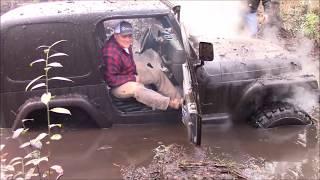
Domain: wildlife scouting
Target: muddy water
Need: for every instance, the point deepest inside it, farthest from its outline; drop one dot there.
(286, 153)
(279, 153)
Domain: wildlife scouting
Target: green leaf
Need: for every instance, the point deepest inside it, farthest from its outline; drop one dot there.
(54, 125)
(57, 43)
(37, 161)
(24, 145)
(38, 86)
(45, 98)
(43, 46)
(56, 137)
(58, 54)
(29, 173)
(46, 51)
(16, 163)
(36, 61)
(36, 144)
(17, 133)
(2, 146)
(32, 161)
(34, 80)
(24, 120)
(33, 154)
(15, 159)
(45, 174)
(47, 68)
(25, 131)
(55, 64)
(60, 110)
(40, 137)
(9, 168)
(57, 168)
(15, 177)
(60, 78)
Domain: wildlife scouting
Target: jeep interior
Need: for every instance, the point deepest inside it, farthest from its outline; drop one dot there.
(155, 44)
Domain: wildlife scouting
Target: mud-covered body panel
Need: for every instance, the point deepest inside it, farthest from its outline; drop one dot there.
(224, 85)
(227, 86)
(49, 22)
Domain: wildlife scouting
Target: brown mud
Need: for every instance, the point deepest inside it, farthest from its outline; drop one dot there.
(172, 162)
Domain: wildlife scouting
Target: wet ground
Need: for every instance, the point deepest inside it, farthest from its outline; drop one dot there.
(279, 153)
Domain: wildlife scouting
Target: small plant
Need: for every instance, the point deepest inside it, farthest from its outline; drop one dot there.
(302, 19)
(293, 18)
(311, 26)
(34, 158)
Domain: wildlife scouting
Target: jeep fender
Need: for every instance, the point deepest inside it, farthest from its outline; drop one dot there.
(275, 88)
(253, 91)
(74, 100)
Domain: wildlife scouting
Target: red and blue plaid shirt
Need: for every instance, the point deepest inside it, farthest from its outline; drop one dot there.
(120, 66)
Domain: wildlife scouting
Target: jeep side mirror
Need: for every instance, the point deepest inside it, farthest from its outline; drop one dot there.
(206, 51)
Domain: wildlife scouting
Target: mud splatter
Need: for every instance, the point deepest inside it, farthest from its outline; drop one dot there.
(172, 162)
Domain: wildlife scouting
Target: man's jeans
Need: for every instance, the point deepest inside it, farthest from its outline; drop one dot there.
(147, 75)
(252, 23)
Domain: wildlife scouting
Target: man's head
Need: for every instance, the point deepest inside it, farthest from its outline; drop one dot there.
(123, 34)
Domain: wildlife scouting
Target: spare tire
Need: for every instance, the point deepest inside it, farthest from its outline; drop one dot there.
(280, 114)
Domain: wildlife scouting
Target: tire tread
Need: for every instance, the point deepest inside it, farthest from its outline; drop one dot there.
(270, 115)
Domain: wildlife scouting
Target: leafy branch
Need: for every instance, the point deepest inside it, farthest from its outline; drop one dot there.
(34, 158)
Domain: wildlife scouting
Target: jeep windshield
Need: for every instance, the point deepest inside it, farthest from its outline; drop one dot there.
(160, 27)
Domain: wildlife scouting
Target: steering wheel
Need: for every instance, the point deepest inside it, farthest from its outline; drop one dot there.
(144, 41)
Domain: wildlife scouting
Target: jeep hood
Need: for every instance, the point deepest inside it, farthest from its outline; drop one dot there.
(247, 59)
(223, 71)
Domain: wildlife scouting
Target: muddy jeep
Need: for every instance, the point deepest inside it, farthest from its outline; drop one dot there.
(214, 91)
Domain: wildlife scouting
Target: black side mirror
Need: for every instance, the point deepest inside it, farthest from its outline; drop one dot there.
(206, 51)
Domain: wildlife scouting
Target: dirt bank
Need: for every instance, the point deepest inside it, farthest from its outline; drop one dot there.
(172, 162)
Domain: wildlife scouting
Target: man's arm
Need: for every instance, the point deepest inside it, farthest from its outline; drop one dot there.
(113, 74)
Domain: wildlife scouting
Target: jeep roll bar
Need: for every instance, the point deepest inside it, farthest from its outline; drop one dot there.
(175, 8)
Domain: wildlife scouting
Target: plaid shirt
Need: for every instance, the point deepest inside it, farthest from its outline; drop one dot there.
(120, 67)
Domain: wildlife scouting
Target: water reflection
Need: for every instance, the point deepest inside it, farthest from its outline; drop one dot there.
(278, 153)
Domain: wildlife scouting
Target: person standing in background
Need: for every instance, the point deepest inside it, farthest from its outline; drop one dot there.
(251, 15)
(274, 19)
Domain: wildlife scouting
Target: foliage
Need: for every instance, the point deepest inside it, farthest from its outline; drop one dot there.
(302, 19)
(293, 19)
(311, 26)
(29, 166)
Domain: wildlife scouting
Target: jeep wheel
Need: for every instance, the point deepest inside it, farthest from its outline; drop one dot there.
(279, 114)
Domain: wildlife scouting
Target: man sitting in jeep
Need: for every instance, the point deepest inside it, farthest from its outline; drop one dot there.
(127, 78)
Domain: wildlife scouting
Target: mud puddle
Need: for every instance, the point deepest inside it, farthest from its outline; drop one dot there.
(230, 151)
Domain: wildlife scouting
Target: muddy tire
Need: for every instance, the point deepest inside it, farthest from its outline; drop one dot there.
(280, 114)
